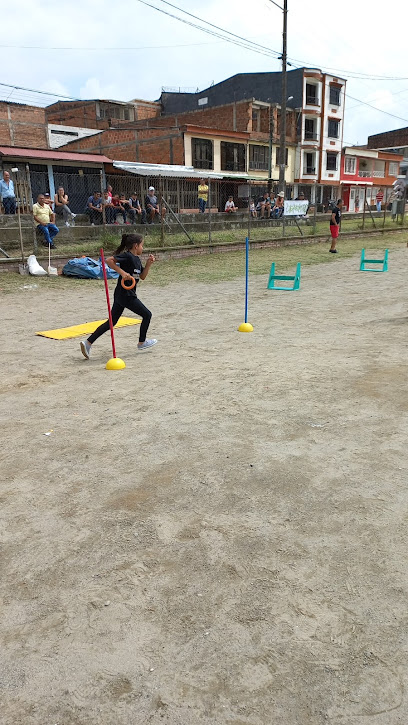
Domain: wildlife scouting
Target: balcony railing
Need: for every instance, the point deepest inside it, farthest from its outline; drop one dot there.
(365, 174)
(310, 136)
(379, 174)
(310, 170)
(312, 100)
(258, 165)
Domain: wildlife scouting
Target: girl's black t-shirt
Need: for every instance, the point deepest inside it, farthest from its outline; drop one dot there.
(133, 265)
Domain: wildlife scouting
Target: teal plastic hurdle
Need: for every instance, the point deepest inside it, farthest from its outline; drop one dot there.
(364, 261)
(284, 277)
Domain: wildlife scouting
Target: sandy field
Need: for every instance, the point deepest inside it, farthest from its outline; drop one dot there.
(216, 535)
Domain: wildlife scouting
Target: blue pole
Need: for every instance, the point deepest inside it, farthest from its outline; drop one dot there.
(246, 277)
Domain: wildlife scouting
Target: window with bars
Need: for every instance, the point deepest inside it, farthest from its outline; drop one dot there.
(232, 156)
(202, 153)
(310, 164)
(333, 130)
(312, 94)
(310, 129)
(393, 168)
(121, 113)
(331, 161)
(258, 158)
(350, 165)
(335, 96)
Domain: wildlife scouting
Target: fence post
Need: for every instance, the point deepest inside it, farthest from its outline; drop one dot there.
(315, 208)
(249, 211)
(404, 201)
(103, 206)
(161, 213)
(364, 205)
(385, 210)
(209, 213)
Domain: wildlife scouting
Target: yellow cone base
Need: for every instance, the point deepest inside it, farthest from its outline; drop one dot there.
(245, 327)
(115, 363)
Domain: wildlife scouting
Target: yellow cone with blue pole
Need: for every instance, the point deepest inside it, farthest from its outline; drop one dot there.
(246, 326)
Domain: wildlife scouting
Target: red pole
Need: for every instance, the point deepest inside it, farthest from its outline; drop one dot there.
(105, 279)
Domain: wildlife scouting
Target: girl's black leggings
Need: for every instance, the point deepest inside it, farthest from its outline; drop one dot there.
(136, 306)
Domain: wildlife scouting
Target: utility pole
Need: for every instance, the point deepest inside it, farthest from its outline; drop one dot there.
(282, 147)
(271, 132)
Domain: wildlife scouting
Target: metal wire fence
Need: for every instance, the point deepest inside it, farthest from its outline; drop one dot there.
(181, 220)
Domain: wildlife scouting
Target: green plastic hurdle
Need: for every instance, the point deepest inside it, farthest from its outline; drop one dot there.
(295, 279)
(364, 261)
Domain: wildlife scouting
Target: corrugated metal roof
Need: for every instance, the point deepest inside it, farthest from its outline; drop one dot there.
(181, 172)
(52, 155)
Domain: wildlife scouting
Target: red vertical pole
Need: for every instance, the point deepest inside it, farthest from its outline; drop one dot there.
(105, 279)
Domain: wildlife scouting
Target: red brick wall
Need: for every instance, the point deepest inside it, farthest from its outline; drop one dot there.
(22, 126)
(161, 146)
(83, 114)
(389, 139)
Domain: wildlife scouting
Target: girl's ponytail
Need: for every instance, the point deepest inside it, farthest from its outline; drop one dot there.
(128, 240)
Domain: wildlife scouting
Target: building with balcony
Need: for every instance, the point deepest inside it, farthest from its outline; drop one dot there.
(364, 172)
(317, 100)
(396, 141)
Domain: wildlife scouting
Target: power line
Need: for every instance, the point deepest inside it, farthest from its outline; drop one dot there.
(99, 48)
(43, 93)
(266, 50)
(247, 44)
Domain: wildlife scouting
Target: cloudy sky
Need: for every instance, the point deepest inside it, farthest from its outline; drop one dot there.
(93, 49)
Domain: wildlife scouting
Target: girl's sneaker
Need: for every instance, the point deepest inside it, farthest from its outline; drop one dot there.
(86, 348)
(146, 344)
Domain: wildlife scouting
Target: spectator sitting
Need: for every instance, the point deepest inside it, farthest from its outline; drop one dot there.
(94, 208)
(135, 209)
(230, 206)
(110, 212)
(7, 195)
(48, 201)
(252, 210)
(119, 209)
(44, 219)
(152, 206)
(61, 206)
(279, 205)
(127, 207)
(264, 206)
(301, 197)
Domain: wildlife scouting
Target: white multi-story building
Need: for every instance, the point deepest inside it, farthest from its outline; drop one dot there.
(320, 126)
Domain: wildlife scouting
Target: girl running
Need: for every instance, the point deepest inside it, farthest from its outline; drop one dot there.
(126, 261)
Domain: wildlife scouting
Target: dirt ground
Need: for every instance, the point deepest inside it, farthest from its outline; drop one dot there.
(216, 535)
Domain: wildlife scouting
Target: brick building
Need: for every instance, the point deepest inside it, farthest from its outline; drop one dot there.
(233, 138)
(22, 125)
(365, 171)
(396, 141)
(100, 114)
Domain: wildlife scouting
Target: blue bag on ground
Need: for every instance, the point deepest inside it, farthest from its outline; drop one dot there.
(87, 268)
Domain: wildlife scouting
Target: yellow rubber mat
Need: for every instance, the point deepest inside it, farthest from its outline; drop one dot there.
(64, 333)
